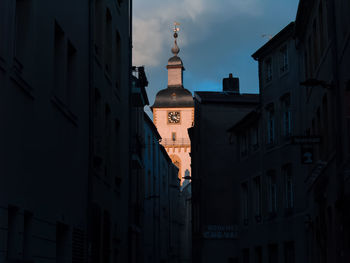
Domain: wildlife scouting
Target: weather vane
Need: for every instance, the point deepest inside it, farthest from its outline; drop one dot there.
(175, 50)
(176, 28)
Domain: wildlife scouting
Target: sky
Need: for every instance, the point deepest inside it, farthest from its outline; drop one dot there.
(216, 37)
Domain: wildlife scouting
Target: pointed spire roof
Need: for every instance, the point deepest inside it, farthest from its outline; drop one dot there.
(175, 95)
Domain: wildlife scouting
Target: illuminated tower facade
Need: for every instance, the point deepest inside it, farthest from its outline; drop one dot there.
(173, 114)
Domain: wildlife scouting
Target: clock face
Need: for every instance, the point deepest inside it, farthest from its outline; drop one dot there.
(174, 117)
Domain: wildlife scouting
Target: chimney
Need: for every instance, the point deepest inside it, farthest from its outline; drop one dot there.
(230, 84)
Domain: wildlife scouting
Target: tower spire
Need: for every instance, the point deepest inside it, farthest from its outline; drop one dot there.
(175, 49)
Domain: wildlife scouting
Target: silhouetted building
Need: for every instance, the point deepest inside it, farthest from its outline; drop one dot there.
(161, 201)
(293, 152)
(214, 220)
(65, 84)
(184, 213)
(322, 33)
(270, 191)
(139, 100)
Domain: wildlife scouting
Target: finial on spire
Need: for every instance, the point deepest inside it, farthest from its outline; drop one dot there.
(175, 50)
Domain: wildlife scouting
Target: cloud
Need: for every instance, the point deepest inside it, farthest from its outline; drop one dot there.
(153, 21)
(216, 37)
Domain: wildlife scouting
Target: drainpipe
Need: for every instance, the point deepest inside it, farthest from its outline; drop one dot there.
(90, 130)
(338, 133)
(129, 110)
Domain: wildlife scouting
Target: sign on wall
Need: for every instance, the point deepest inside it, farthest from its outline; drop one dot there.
(221, 232)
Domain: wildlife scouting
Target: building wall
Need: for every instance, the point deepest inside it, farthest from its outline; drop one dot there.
(186, 219)
(44, 145)
(180, 148)
(212, 177)
(272, 223)
(175, 76)
(328, 111)
(162, 220)
(112, 194)
(59, 193)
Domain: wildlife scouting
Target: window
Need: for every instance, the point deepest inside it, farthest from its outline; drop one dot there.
(108, 42)
(148, 145)
(321, 27)
(286, 118)
(272, 191)
(289, 186)
(96, 234)
(12, 233)
(284, 59)
(315, 43)
(22, 26)
(273, 253)
(244, 145)
(245, 255)
(306, 65)
(118, 60)
(173, 136)
(98, 27)
(245, 203)
(3, 20)
(287, 122)
(64, 68)
(289, 254)
(270, 126)
(62, 242)
(106, 236)
(59, 61)
(348, 126)
(255, 138)
(325, 120)
(257, 198)
(27, 235)
(108, 138)
(258, 255)
(310, 63)
(71, 73)
(78, 245)
(268, 70)
(149, 179)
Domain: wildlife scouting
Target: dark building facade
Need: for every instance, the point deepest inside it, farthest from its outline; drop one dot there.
(65, 89)
(292, 150)
(322, 32)
(271, 191)
(214, 221)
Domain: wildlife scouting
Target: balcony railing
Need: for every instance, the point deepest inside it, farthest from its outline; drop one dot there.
(176, 142)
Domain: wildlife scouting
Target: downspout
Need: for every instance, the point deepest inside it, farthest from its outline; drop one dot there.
(169, 213)
(129, 110)
(159, 203)
(338, 133)
(91, 132)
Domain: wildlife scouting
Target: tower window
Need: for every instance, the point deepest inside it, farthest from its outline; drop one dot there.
(173, 136)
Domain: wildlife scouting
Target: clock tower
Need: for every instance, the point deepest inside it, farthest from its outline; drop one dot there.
(173, 113)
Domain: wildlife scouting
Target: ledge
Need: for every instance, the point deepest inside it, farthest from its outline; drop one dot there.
(64, 110)
(22, 84)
